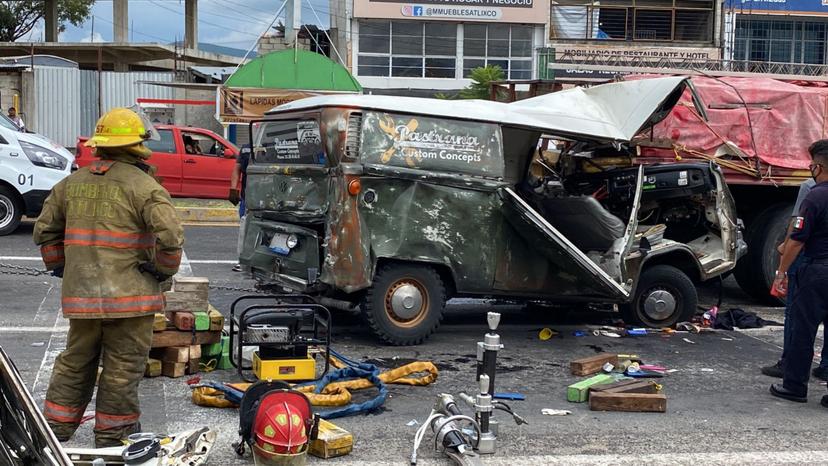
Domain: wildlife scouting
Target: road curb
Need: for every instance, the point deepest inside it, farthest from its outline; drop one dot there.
(207, 215)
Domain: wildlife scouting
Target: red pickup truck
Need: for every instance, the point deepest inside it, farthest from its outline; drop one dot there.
(192, 162)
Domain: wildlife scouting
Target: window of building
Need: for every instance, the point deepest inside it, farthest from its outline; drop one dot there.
(504, 45)
(780, 41)
(633, 20)
(407, 49)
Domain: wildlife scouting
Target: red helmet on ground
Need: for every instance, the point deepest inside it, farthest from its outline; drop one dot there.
(281, 428)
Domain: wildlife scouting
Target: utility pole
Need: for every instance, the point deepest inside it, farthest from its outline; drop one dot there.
(120, 20)
(293, 20)
(191, 24)
(51, 20)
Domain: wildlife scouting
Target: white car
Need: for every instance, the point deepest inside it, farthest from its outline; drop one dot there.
(30, 165)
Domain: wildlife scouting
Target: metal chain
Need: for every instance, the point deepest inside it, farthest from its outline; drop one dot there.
(21, 270)
(238, 289)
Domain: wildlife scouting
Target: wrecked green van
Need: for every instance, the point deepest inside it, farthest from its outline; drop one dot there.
(396, 205)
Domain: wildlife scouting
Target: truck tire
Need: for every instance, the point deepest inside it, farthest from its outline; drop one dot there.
(11, 211)
(755, 272)
(664, 297)
(405, 303)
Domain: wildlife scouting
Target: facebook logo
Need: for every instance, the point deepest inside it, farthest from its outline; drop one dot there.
(418, 11)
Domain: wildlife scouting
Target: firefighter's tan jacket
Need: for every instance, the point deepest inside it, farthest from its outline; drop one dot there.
(100, 223)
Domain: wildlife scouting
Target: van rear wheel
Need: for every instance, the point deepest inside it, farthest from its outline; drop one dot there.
(405, 303)
(664, 297)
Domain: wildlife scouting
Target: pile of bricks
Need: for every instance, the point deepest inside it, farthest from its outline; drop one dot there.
(187, 323)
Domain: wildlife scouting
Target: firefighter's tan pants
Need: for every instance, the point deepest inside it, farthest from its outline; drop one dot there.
(122, 345)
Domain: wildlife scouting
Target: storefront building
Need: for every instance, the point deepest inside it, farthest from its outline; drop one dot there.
(780, 31)
(434, 44)
(640, 29)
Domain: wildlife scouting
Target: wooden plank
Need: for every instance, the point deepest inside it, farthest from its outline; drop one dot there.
(184, 321)
(592, 364)
(160, 323)
(191, 284)
(194, 352)
(216, 319)
(176, 338)
(173, 369)
(607, 386)
(153, 368)
(627, 386)
(579, 392)
(201, 321)
(176, 354)
(628, 402)
(193, 366)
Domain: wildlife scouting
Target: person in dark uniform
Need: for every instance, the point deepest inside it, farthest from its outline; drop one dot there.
(809, 302)
(238, 182)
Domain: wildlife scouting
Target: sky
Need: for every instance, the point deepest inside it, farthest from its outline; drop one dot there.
(230, 23)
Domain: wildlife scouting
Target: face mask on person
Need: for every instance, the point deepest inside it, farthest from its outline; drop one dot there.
(816, 170)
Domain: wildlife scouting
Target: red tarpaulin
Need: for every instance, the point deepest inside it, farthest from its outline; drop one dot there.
(785, 118)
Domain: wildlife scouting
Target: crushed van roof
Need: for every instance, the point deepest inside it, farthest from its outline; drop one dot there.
(612, 112)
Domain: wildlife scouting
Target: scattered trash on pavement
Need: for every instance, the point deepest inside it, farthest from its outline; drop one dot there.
(738, 318)
(509, 396)
(412, 423)
(689, 341)
(546, 334)
(38, 344)
(555, 412)
(579, 333)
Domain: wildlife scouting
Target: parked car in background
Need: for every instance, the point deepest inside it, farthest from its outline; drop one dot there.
(30, 165)
(191, 162)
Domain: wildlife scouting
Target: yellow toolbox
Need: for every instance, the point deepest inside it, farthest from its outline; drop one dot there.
(284, 369)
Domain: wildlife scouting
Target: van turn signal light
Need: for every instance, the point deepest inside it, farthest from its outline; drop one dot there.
(354, 187)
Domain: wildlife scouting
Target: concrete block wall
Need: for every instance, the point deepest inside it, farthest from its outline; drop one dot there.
(269, 44)
(10, 84)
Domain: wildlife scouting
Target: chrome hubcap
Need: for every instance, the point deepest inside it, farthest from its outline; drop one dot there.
(6, 211)
(406, 301)
(659, 304)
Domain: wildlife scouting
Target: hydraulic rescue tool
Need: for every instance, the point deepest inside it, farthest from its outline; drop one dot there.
(462, 437)
(284, 329)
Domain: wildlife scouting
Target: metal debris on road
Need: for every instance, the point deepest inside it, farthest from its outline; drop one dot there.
(555, 412)
(689, 341)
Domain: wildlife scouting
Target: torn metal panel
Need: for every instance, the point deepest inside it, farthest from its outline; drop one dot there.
(419, 221)
(609, 112)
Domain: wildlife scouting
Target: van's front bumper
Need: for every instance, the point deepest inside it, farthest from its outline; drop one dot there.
(296, 269)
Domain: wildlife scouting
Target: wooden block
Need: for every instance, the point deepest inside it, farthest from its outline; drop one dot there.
(169, 338)
(332, 441)
(592, 364)
(216, 319)
(579, 392)
(153, 368)
(173, 369)
(202, 321)
(195, 352)
(628, 402)
(160, 323)
(176, 354)
(193, 366)
(191, 284)
(627, 386)
(184, 321)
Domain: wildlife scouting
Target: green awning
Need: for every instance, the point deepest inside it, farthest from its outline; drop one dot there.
(294, 69)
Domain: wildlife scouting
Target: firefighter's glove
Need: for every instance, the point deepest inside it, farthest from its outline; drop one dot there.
(234, 196)
(58, 272)
(149, 267)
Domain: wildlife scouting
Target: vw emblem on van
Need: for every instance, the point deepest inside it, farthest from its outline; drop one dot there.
(283, 186)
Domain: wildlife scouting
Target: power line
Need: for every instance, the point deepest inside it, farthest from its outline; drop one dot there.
(138, 32)
(154, 2)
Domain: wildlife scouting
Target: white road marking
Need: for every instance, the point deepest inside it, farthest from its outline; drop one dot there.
(34, 329)
(689, 459)
(19, 258)
(52, 351)
(207, 261)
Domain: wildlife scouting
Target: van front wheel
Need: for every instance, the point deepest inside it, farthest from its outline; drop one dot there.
(664, 297)
(405, 303)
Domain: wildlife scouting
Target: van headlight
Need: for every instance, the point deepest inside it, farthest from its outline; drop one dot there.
(43, 157)
(292, 241)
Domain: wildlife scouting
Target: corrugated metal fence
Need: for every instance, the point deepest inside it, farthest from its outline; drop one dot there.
(67, 98)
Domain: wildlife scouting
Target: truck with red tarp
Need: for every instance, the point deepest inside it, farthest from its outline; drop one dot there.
(758, 130)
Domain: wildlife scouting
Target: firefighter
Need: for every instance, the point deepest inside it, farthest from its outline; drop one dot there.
(809, 301)
(111, 232)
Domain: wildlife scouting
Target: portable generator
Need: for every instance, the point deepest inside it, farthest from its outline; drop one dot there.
(284, 329)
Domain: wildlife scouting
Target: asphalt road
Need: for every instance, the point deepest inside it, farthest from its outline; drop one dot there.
(719, 409)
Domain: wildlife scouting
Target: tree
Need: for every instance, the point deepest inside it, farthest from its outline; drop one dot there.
(18, 18)
(481, 77)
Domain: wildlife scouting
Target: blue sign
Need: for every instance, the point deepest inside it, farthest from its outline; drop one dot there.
(418, 11)
(790, 6)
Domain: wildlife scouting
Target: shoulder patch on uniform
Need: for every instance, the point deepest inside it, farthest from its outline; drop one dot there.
(99, 167)
(799, 223)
